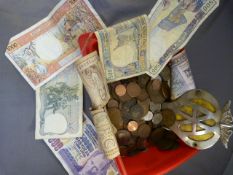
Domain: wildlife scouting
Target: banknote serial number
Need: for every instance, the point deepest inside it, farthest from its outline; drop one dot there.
(209, 5)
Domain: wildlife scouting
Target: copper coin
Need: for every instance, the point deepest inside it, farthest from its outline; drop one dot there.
(143, 80)
(169, 117)
(125, 97)
(156, 84)
(128, 104)
(133, 89)
(112, 103)
(166, 73)
(136, 111)
(143, 95)
(155, 95)
(123, 137)
(120, 90)
(144, 131)
(132, 126)
(115, 117)
(165, 89)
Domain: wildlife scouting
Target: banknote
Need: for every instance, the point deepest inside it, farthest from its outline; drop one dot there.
(92, 74)
(82, 155)
(171, 25)
(181, 75)
(123, 48)
(59, 106)
(43, 50)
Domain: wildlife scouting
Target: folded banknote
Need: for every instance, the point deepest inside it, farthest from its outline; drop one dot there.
(82, 155)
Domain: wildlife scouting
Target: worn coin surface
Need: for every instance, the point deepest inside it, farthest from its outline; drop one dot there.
(169, 117)
(112, 103)
(136, 111)
(120, 90)
(145, 105)
(157, 118)
(115, 117)
(165, 89)
(148, 116)
(143, 95)
(144, 130)
(143, 80)
(156, 135)
(155, 107)
(165, 73)
(123, 137)
(133, 89)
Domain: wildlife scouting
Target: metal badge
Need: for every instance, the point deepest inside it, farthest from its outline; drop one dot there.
(199, 120)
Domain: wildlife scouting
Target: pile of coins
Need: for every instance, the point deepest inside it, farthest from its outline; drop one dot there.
(135, 111)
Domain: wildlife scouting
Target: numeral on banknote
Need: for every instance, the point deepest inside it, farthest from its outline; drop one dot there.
(12, 46)
(209, 5)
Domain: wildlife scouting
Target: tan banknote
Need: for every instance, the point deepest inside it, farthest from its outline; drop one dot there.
(92, 74)
(59, 106)
(43, 50)
(171, 25)
(123, 48)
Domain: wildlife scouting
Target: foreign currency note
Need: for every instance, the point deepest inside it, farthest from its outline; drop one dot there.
(82, 155)
(92, 74)
(181, 75)
(123, 48)
(59, 106)
(43, 50)
(105, 133)
(171, 25)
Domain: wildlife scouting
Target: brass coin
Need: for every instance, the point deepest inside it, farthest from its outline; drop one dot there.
(156, 135)
(165, 89)
(136, 111)
(169, 117)
(166, 73)
(144, 131)
(143, 80)
(112, 103)
(132, 126)
(143, 95)
(155, 107)
(115, 117)
(157, 118)
(123, 137)
(145, 105)
(133, 89)
(120, 90)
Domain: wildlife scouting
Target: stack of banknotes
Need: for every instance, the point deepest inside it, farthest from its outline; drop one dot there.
(48, 57)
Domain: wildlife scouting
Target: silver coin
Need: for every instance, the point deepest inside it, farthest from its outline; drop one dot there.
(155, 107)
(148, 116)
(157, 118)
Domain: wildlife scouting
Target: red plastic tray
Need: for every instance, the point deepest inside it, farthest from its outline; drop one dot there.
(153, 161)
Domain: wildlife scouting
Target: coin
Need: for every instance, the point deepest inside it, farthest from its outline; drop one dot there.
(112, 103)
(165, 89)
(165, 144)
(141, 144)
(155, 107)
(166, 73)
(133, 89)
(157, 118)
(132, 126)
(143, 95)
(145, 105)
(169, 117)
(136, 111)
(125, 97)
(171, 135)
(143, 80)
(148, 116)
(123, 150)
(156, 84)
(125, 106)
(156, 135)
(155, 95)
(115, 117)
(123, 137)
(144, 130)
(120, 90)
